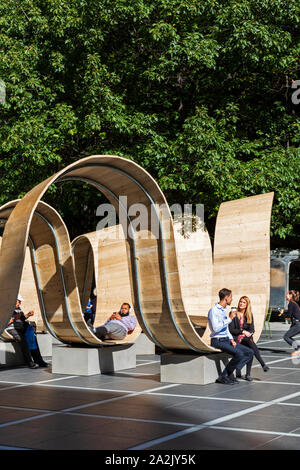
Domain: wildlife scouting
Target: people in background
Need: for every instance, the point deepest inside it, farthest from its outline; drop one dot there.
(90, 311)
(221, 338)
(293, 312)
(242, 330)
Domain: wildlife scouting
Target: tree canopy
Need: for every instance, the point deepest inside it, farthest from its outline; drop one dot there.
(196, 92)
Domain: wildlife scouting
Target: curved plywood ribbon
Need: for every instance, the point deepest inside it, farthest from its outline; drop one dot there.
(28, 284)
(45, 283)
(242, 252)
(101, 257)
(53, 268)
(170, 277)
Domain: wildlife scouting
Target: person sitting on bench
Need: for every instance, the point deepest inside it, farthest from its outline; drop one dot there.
(23, 333)
(221, 338)
(118, 325)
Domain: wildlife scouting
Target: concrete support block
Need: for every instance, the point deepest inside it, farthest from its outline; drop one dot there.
(144, 345)
(10, 354)
(73, 360)
(45, 344)
(192, 369)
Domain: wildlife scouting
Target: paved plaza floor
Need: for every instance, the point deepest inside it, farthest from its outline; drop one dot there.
(131, 409)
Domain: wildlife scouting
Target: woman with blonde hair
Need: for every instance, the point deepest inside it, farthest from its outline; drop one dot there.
(242, 329)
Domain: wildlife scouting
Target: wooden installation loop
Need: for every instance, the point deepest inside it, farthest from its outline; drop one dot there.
(170, 279)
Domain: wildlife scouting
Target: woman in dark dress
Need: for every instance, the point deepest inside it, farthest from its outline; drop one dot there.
(293, 313)
(242, 329)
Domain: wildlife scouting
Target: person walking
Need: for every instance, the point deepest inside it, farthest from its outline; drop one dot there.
(242, 330)
(221, 338)
(293, 312)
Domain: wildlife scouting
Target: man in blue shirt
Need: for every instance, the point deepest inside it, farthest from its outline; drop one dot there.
(221, 338)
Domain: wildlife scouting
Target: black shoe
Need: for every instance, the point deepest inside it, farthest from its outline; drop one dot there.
(248, 377)
(233, 379)
(266, 368)
(224, 380)
(43, 364)
(33, 365)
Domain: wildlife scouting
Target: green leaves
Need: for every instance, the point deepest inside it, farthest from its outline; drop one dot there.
(198, 93)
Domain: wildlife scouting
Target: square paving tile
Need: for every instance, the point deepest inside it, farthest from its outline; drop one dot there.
(148, 407)
(214, 439)
(81, 432)
(257, 391)
(281, 443)
(134, 383)
(94, 381)
(10, 415)
(6, 385)
(273, 418)
(211, 390)
(201, 410)
(29, 434)
(167, 409)
(48, 398)
(295, 400)
(288, 376)
(26, 375)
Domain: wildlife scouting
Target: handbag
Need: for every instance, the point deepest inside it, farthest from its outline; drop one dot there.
(30, 338)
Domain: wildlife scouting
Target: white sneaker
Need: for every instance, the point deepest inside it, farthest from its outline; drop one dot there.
(296, 352)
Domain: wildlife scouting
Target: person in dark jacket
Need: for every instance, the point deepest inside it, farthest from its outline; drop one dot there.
(23, 333)
(242, 329)
(293, 313)
(90, 311)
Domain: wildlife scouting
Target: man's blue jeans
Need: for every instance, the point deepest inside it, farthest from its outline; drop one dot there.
(241, 354)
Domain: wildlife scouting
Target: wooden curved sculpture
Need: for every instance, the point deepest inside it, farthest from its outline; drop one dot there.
(242, 252)
(28, 284)
(54, 275)
(101, 256)
(170, 277)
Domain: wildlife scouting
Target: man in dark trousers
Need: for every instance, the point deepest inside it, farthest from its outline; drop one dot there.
(221, 338)
(17, 328)
(118, 325)
(90, 311)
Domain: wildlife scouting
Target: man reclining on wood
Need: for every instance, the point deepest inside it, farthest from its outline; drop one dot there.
(118, 325)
